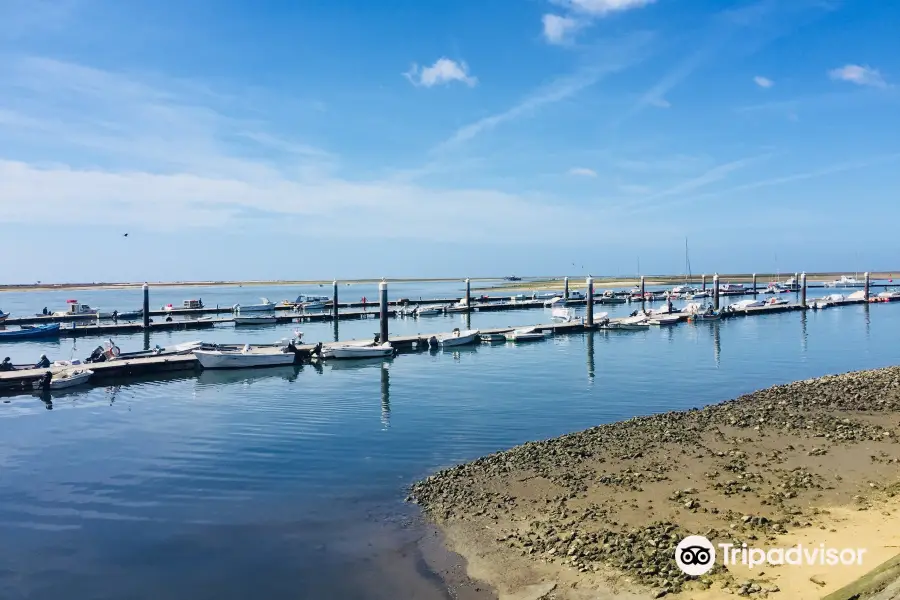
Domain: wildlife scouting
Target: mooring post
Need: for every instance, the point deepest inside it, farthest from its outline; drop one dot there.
(866, 288)
(334, 299)
(643, 291)
(754, 284)
(589, 313)
(146, 290)
(566, 288)
(715, 291)
(703, 281)
(468, 294)
(383, 311)
(803, 290)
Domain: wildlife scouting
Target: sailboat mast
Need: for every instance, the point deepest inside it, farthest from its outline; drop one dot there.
(687, 262)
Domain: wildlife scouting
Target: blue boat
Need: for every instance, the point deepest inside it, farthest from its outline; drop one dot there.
(31, 332)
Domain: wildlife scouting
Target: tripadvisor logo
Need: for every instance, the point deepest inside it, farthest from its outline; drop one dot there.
(695, 555)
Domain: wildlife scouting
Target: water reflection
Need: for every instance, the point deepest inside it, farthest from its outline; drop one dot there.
(589, 344)
(717, 343)
(146, 339)
(868, 320)
(247, 376)
(335, 328)
(385, 396)
(803, 335)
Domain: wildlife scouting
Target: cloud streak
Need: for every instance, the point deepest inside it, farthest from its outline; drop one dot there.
(442, 72)
(858, 74)
(763, 82)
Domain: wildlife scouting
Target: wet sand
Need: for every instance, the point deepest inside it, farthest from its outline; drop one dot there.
(597, 514)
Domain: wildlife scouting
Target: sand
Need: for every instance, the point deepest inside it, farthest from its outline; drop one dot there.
(597, 514)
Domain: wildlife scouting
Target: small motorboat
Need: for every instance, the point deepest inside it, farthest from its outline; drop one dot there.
(620, 326)
(460, 306)
(131, 314)
(36, 331)
(358, 351)
(576, 295)
(255, 320)
(566, 315)
(697, 295)
(67, 378)
(555, 301)
(776, 301)
(264, 306)
(524, 334)
(408, 311)
(745, 304)
(709, 316)
(77, 309)
(610, 299)
(455, 338)
(314, 305)
(429, 311)
(492, 338)
(664, 320)
(247, 357)
(888, 295)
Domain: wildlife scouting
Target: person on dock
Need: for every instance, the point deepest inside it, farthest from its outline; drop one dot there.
(115, 316)
(43, 363)
(45, 311)
(364, 303)
(7, 365)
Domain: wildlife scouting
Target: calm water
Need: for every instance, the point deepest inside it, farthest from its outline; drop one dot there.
(289, 483)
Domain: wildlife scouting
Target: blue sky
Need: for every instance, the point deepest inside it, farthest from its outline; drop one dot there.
(345, 139)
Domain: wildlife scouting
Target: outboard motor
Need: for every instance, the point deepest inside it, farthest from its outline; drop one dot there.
(97, 356)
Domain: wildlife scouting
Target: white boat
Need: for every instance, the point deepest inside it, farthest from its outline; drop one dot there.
(697, 295)
(576, 295)
(745, 304)
(776, 301)
(564, 314)
(82, 310)
(246, 357)
(845, 282)
(491, 337)
(265, 305)
(601, 317)
(460, 306)
(429, 311)
(256, 320)
(857, 295)
(456, 338)
(358, 351)
(664, 320)
(622, 326)
(732, 288)
(314, 305)
(889, 295)
(524, 334)
(68, 378)
(555, 301)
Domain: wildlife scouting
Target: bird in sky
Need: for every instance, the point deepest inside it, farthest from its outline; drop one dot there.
(126, 235)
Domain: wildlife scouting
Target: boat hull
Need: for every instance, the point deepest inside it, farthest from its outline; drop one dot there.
(255, 320)
(464, 337)
(78, 378)
(345, 352)
(217, 359)
(50, 330)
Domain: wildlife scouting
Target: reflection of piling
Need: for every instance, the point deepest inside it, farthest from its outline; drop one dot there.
(866, 288)
(716, 291)
(589, 316)
(334, 300)
(385, 396)
(590, 355)
(336, 338)
(803, 290)
(566, 288)
(383, 311)
(754, 284)
(146, 315)
(468, 293)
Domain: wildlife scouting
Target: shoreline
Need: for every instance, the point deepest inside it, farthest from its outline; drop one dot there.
(598, 513)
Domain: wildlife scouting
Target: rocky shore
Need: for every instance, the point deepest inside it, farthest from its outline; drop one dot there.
(603, 509)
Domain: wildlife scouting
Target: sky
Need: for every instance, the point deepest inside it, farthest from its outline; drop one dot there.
(471, 138)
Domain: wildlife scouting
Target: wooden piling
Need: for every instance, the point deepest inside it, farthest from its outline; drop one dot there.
(468, 294)
(866, 287)
(146, 289)
(383, 311)
(566, 288)
(589, 314)
(754, 284)
(334, 299)
(703, 281)
(643, 291)
(803, 290)
(715, 291)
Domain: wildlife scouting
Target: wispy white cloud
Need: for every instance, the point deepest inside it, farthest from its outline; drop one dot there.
(858, 74)
(763, 82)
(660, 103)
(582, 172)
(621, 55)
(558, 30)
(602, 8)
(443, 71)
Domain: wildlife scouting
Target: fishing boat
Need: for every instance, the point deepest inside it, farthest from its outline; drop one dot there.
(246, 357)
(664, 320)
(314, 305)
(429, 311)
(697, 295)
(491, 338)
(67, 378)
(255, 320)
(460, 306)
(524, 334)
(576, 295)
(37, 331)
(845, 282)
(706, 316)
(264, 306)
(358, 351)
(77, 309)
(628, 326)
(456, 338)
